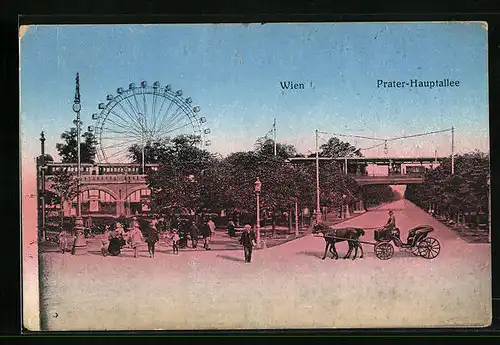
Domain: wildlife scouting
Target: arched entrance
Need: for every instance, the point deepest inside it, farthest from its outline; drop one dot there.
(138, 201)
(96, 202)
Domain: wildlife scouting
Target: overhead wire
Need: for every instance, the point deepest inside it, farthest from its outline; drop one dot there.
(384, 141)
(419, 135)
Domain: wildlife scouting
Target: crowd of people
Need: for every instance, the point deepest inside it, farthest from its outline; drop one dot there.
(177, 234)
(115, 238)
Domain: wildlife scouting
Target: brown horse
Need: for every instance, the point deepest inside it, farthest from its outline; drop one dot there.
(332, 236)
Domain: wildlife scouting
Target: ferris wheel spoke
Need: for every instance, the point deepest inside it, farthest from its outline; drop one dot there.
(123, 152)
(177, 128)
(126, 128)
(159, 112)
(117, 121)
(137, 103)
(128, 133)
(133, 109)
(124, 124)
(127, 138)
(153, 112)
(138, 116)
(130, 116)
(112, 146)
(167, 128)
(168, 119)
(117, 128)
(166, 112)
(171, 121)
(145, 106)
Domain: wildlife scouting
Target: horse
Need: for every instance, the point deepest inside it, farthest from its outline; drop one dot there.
(332, 235)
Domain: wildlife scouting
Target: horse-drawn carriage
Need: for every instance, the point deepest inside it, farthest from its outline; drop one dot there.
(418, 241)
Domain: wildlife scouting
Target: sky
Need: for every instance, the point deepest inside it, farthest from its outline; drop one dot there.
(233, 73)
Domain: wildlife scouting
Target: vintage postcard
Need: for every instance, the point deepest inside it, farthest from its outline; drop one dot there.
(255, 176)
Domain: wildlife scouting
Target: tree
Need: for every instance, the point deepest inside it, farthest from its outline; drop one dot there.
(334, 147)
(266, 148)
(66, 186)
(161, 150)
(183, 176)
(69, 151)
(336, 188)
(465, 191)
(377, 194)
(282, 181)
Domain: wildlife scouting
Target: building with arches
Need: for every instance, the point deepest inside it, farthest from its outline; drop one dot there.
(106, 190)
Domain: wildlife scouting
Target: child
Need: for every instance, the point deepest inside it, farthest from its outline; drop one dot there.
(175, 242)
(63, 240)
(105, 241)
(135, 236)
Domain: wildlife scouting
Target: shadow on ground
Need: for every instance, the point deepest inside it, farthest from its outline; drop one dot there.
(311, 253)
(232, 258)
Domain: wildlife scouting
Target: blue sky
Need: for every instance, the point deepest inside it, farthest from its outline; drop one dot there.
(233, 72)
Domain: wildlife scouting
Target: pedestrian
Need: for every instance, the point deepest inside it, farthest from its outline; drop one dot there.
(136, 237)
(63, 240)
(175, 241)
(248, 240)
(90, 225)
(182, 232)
(205, 232)
(120, 233)
(152, 239)
(105, 241)
(211, 225)
(114, 247)
(195, 233)
(231, 228)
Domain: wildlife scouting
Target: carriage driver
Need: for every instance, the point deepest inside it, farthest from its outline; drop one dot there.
(391, 222)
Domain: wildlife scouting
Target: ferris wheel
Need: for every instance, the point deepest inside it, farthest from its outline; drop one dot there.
(141, 115)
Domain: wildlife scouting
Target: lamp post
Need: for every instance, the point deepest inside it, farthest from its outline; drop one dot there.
(258, 186)
(80, 245)
(274, 136)
(296, 217)
(317, 179)
(452, 150)
(42, 176)
(489, 209)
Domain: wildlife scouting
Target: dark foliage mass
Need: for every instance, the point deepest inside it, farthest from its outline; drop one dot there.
(464, 191)
(68, 150)
(192, 178)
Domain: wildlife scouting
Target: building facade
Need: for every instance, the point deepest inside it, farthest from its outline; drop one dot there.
(106, 190)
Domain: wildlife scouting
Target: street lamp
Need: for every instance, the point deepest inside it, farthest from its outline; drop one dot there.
(42, 176)
(317, 180)
(258, 186)
(79, 246)
(489, 209)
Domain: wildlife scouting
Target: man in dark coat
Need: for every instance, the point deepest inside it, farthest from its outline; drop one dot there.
(182, 231)
(194, 235)
(247, 240)
(205, 232)
(152, 239)
(231, 228)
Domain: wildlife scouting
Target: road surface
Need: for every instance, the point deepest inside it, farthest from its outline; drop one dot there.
(287, 286)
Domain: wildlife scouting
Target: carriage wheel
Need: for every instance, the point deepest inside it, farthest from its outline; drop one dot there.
(384, 250)
(415, 251)
(429, 248)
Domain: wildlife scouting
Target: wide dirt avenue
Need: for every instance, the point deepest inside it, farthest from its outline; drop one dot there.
(287, 286)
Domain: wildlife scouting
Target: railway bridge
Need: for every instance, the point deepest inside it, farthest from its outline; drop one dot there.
(381, 170)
